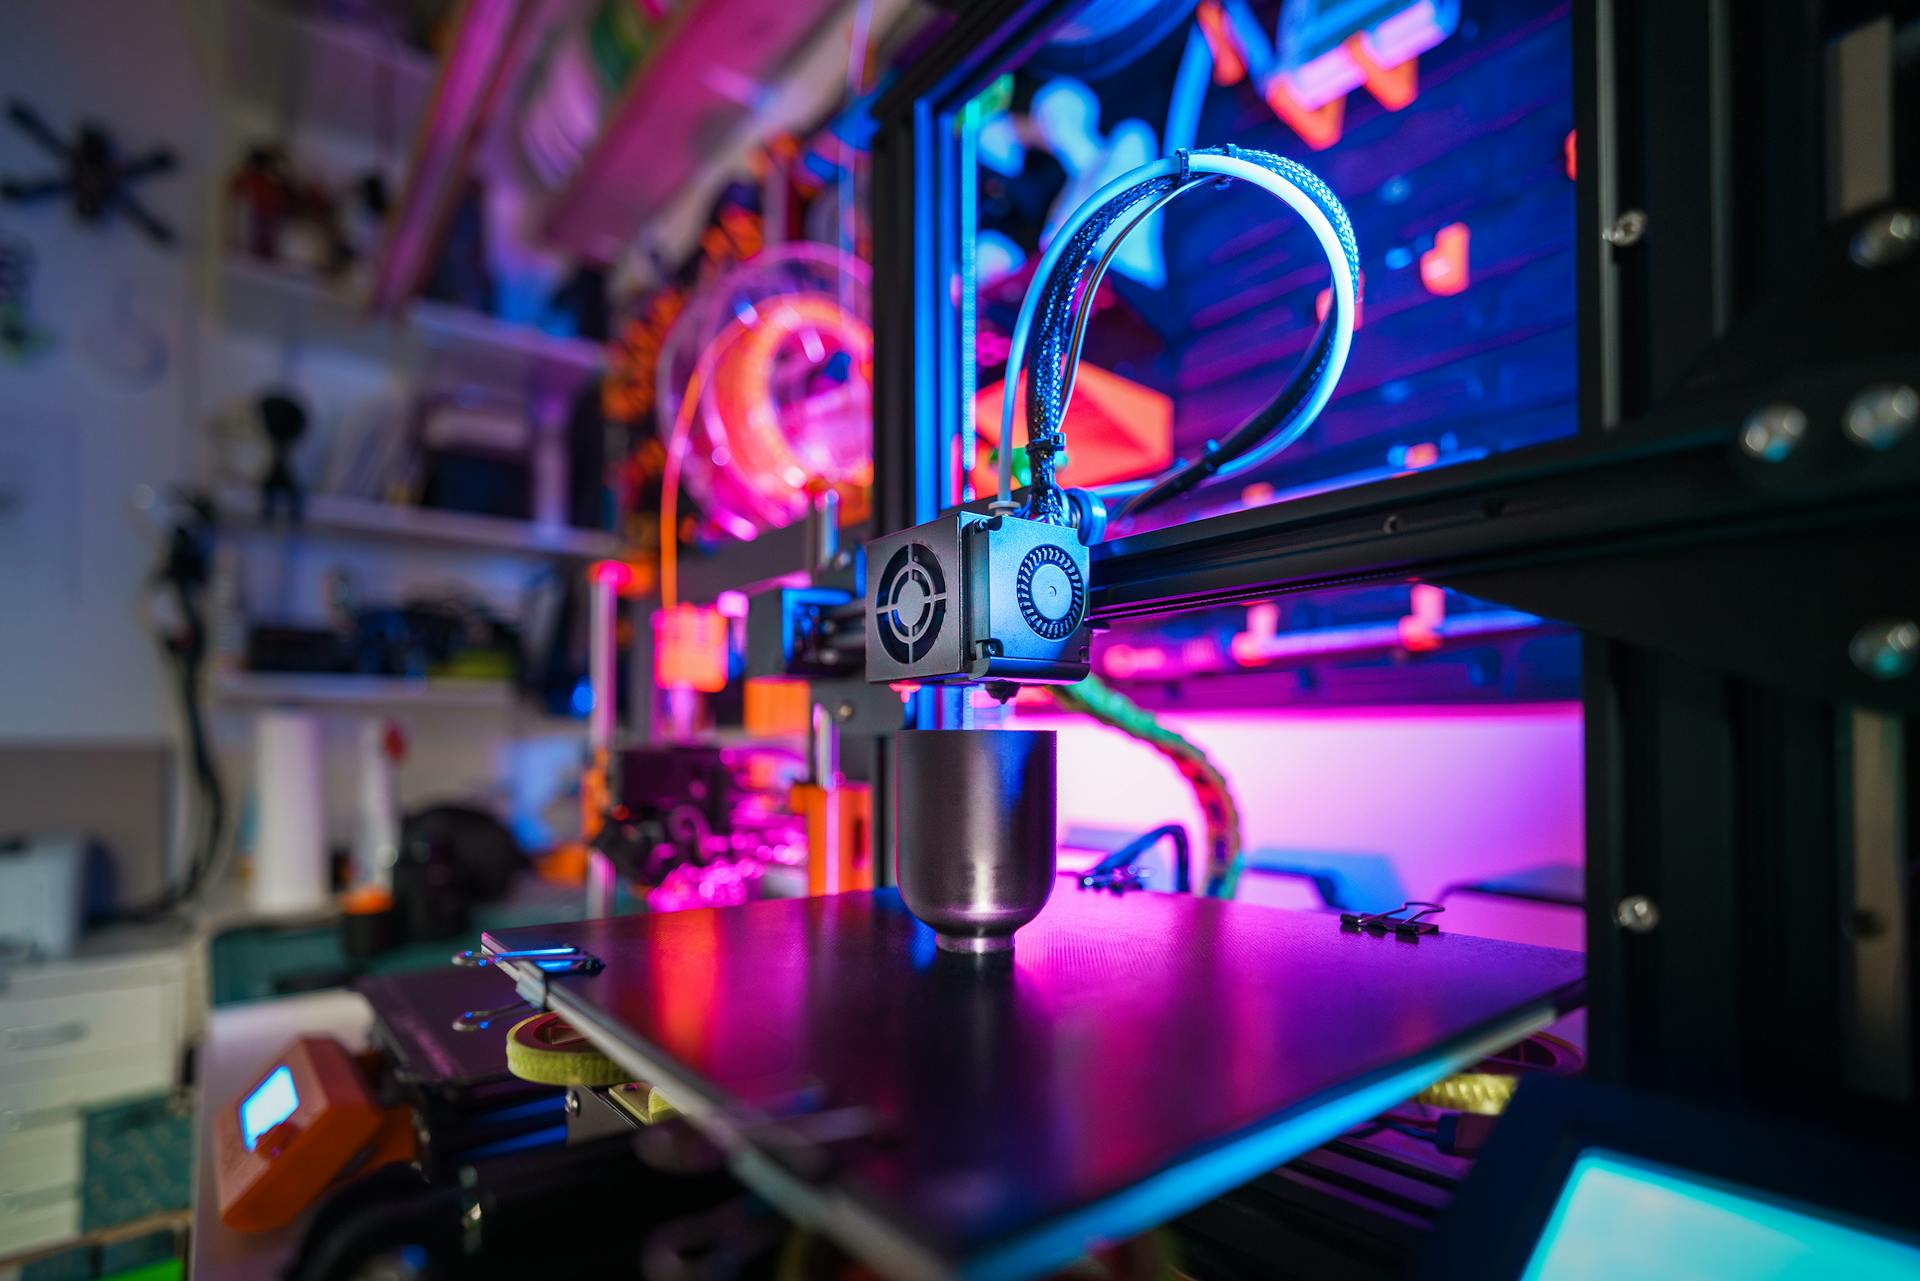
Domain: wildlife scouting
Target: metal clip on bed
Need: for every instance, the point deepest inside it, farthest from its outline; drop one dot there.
(550, 960)
(1381, 923)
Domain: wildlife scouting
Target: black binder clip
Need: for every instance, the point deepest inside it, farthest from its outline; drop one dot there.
(1411, 926)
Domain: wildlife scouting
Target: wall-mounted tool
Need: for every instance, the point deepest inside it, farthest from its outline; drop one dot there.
(96, 179)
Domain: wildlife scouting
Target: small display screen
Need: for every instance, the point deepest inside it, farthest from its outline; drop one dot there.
(272, 1101)
(1621, 1218)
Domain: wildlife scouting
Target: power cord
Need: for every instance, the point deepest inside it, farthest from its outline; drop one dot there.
(178, 586)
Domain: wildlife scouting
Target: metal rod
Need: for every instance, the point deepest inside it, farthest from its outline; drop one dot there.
(602, 654)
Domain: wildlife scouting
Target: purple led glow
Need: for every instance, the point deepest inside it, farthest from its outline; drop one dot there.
(445, 139)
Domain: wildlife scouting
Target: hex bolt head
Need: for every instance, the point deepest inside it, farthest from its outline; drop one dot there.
(1772, 432)
(1886, 238)
(1637, 913)
(1627, 229)
(844, 712)
(1882, 416)
(573, 1103)
(1888, 649)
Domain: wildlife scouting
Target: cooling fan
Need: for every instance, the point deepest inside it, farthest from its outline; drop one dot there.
(973, 597)
(1051, 591)
(910, 603)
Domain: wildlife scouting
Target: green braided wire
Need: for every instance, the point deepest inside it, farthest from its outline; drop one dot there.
(1095, 698)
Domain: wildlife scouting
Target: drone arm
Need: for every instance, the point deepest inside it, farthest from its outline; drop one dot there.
(144, 219)
(162, 160)
(17, 190)
(35, 126)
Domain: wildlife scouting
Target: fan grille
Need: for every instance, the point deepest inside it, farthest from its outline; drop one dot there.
(1051, 592)
(910, 603)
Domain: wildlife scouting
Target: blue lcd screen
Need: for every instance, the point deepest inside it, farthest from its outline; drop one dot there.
(272, 1101)
(1618, 1217)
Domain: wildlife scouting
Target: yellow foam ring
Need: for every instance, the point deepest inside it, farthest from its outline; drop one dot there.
(1489, 1085)
(1485, 1093)
(642, 1102)
(545, 1050)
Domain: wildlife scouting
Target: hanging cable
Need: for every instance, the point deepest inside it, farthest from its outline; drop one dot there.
(1051, 350)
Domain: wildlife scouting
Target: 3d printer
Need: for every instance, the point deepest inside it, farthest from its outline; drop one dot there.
(1585, 388)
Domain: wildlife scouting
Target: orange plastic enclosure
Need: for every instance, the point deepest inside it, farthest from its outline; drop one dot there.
(279, 1144)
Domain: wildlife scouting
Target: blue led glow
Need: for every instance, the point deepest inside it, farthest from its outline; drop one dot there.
(582, 697)
(1618, 1217)
(1067, 114)
(1399, 258)
(551, 1137)
(926, 948)
(997, 256)
(1190, 85)
(1000, 147)
(522, 1111)
(272, 1101)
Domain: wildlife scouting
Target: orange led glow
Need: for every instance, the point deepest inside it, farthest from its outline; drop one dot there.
(1420, 629)
(1229, 68)
(1443, 268)
(1122, 661)
(1319, 127)
(690, 649)
(775, 706)
(1393, 87)
(1249, 648)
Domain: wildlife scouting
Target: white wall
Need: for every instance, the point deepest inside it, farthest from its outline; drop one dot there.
(90, 418)
(77, 437)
